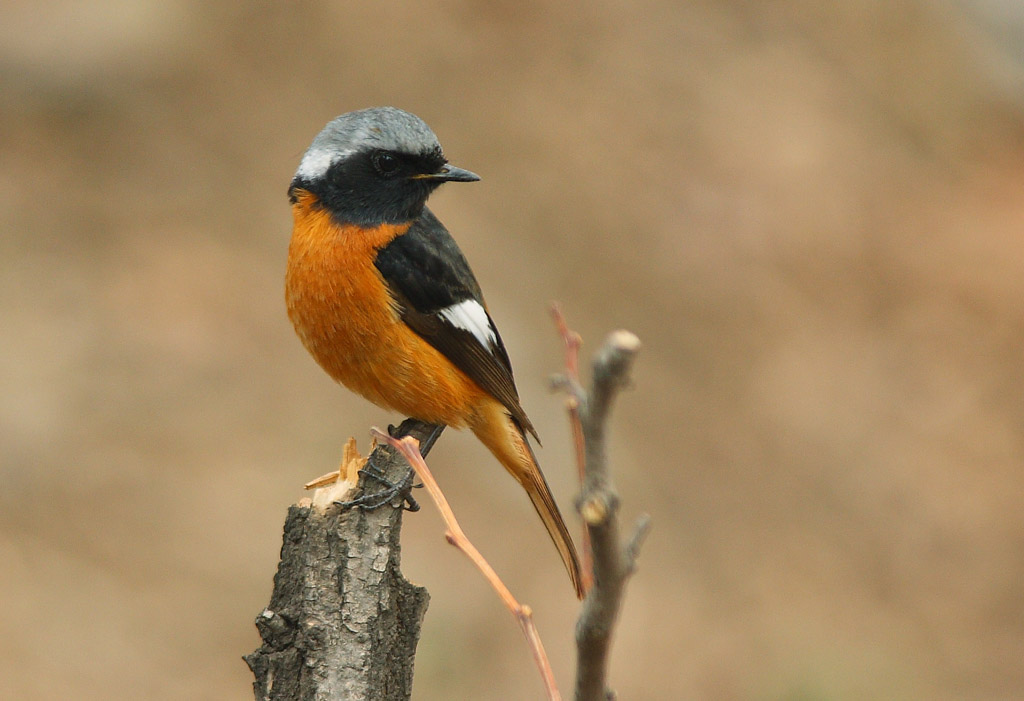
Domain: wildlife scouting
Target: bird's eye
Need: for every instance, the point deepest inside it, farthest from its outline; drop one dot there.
(385, 163)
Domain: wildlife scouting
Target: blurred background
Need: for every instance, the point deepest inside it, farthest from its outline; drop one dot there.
(811, 214)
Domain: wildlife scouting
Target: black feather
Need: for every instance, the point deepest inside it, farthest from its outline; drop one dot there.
(426, 273)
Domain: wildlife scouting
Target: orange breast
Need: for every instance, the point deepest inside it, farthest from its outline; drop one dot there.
(341, 309)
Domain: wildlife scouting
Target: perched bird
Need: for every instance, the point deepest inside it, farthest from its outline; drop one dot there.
(384, 300)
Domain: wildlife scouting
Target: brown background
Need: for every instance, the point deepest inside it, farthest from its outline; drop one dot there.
(810, 212)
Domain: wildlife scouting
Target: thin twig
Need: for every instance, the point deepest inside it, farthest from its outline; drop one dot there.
(572, 341)
(570, 383)
(409, 447)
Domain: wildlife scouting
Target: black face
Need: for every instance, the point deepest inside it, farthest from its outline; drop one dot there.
(376, 186)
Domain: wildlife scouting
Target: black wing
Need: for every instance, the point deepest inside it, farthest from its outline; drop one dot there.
(428, 275)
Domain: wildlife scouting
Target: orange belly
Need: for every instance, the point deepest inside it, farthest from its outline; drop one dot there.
(341, 309)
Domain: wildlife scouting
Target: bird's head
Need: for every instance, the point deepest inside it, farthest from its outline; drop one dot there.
(374, 166)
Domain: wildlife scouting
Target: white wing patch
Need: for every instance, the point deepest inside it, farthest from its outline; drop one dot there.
(470, 315)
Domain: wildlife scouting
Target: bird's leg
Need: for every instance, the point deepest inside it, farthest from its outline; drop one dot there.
(427, 435)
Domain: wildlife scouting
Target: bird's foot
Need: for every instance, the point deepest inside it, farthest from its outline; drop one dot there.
(392, 490)
(427, 434)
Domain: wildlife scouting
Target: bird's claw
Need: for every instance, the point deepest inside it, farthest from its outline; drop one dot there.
(374, 500)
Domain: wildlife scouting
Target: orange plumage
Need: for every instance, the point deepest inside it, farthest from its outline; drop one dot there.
(342, 311)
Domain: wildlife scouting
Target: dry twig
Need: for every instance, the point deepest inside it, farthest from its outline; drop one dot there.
(570, 384)
(409, 447)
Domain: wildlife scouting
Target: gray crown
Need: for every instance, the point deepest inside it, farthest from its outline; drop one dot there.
(386, 128)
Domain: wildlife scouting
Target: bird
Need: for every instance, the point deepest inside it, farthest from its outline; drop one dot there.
(384, 300)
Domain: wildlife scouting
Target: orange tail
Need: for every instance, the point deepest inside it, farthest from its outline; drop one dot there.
(507, 441)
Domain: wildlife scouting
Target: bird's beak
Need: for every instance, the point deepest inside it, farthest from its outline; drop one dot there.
(449, 173)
